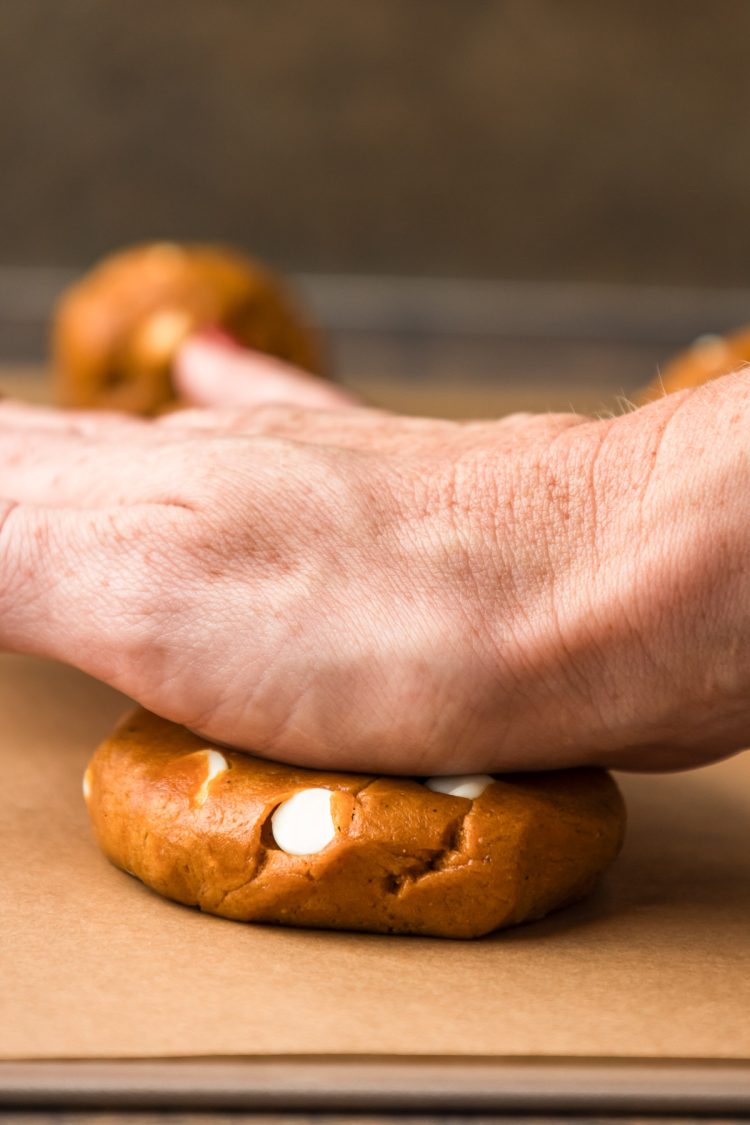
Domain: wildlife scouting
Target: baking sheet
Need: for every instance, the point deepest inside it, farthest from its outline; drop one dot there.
(93, 965)
(390, 1085)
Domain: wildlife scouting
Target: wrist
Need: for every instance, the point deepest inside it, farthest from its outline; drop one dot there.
(669, 592)
(527, 525)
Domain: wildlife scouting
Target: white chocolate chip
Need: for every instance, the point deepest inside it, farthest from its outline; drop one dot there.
(216, 764)
(710, 351)
(304, 824)
(708, 340)
(87, 785)
(469, 785)
(161, 334)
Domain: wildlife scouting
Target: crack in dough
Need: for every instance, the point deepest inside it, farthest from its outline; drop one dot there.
(216, 764)
(402, 883)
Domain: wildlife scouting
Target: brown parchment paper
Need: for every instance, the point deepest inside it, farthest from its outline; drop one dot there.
(92, 964)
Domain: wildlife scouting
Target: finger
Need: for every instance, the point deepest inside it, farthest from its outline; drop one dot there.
(90, 588)
(24, 415)
(212, 372)
(54, 468)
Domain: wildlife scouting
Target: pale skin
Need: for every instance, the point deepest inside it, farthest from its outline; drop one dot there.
(287, 571)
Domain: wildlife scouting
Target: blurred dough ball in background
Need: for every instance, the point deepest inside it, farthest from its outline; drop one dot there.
(709, 357)
(117, 330)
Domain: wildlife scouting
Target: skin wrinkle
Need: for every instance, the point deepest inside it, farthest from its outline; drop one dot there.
(200, 721)
(458, 625)
(470, 498)
(290, 726)
(144, 623)
(458, 504)
(7, 508)
(625, 608)
(677, 402)
(508, 606)
(676, 586)
(585, 546)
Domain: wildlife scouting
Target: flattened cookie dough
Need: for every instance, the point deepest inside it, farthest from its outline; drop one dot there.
(261, 842)
(118, 329)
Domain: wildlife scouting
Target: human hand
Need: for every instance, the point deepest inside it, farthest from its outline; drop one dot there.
(344, 588)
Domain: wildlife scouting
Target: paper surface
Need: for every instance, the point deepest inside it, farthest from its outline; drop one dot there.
(656, 963)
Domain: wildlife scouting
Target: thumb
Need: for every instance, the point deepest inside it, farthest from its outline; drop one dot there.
(211, 371)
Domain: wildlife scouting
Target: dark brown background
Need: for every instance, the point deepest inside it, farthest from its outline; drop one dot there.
(517, 139)
(551, 191)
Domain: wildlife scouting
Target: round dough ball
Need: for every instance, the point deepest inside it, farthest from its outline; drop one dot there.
(116, 331)
(709, 357)
(227, 832)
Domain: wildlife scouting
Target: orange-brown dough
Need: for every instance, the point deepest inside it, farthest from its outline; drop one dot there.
(117, 330)
(196, 823)
(708, 358)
